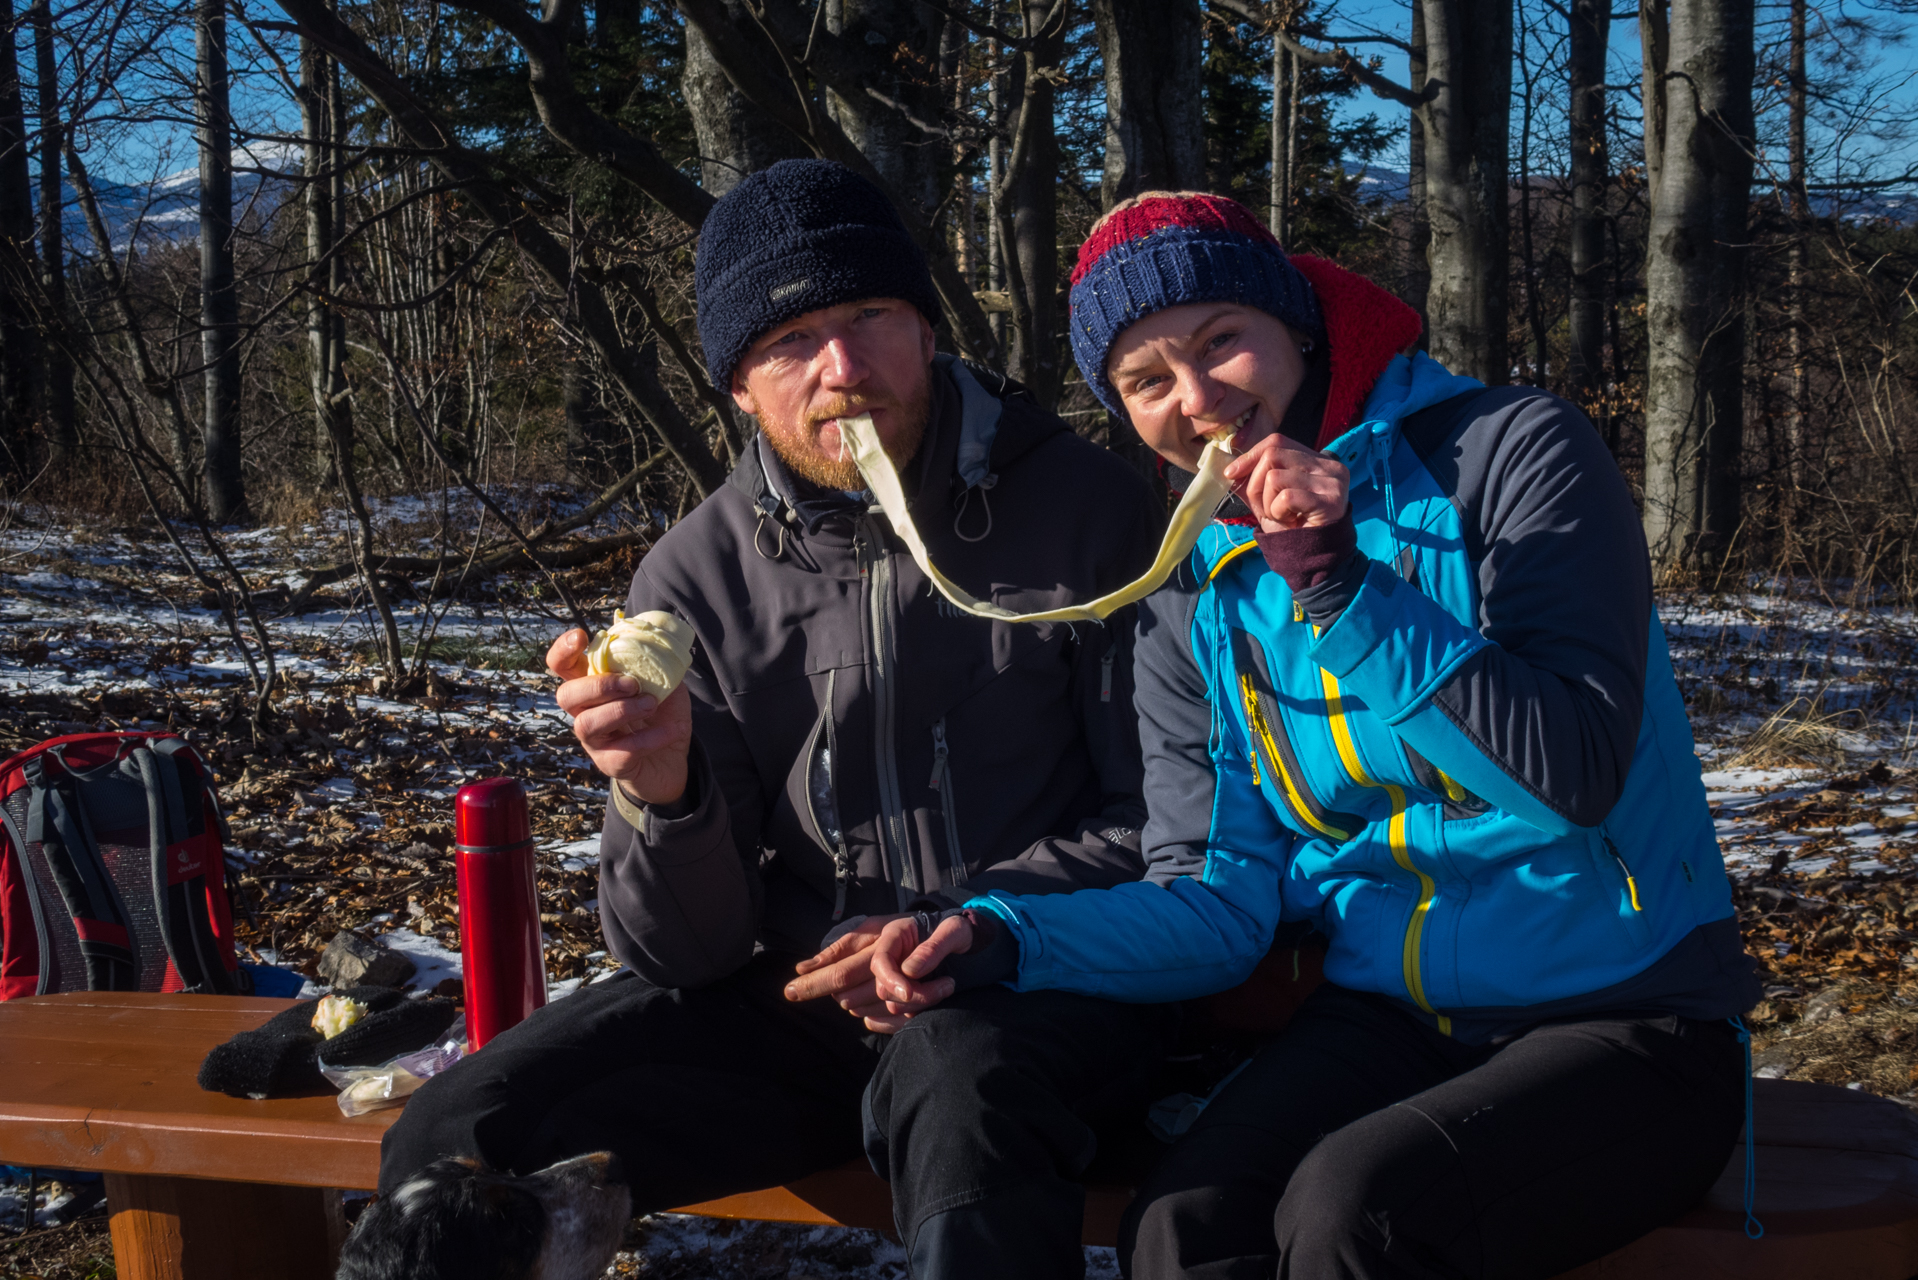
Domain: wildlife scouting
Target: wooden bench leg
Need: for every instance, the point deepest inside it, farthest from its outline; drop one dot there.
(195, 1229)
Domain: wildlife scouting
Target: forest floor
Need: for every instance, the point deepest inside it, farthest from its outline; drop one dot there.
(1805, 709)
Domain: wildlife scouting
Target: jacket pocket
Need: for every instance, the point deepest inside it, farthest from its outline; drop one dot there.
(1273, 759)
(822, 799)
(941, 785)
(1616, 873)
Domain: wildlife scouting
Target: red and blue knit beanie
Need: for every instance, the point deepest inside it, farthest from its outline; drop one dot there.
(1168, 250)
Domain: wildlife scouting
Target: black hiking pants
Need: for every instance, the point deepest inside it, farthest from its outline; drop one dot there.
(1360, 1144)
(730, 1087)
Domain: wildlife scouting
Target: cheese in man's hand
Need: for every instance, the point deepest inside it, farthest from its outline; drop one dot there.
(653, 648)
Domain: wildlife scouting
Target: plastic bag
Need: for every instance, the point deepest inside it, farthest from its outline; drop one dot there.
(364, 1089)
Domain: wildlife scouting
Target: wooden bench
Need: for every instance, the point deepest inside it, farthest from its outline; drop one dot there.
(205, 1187)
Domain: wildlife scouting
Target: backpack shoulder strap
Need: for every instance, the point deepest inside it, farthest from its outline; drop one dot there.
(57, 821)
(182, 861)
(13, 839)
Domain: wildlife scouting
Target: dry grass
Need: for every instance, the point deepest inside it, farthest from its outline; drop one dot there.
(1799, 735)
(1853, 1032)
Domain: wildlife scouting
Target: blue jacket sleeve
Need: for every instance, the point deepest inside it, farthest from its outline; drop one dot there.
(1538, 710)
(1215, 851)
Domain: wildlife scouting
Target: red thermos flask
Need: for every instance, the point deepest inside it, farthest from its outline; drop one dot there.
(499, 908)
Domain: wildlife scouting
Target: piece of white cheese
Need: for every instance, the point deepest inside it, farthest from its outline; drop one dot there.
(653, 648)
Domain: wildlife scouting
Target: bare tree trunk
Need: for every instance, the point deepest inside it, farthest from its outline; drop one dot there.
(905, 155)
(325, 333)
(1279, 199)
(996, 148)
(19, 339)
(56, 396)
(1534, 306)
(1467, 125)
(1418, 268)
(734, 137)
(1695, 322)
(1800, 249)
(1029, 214)
(219, 298)
(1155, 138)
(1591, 24)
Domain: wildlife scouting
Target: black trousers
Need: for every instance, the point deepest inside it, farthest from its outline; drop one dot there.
(730, 1087)
(1360, 1143)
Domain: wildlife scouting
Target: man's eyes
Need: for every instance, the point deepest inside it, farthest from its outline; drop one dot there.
(787, 339)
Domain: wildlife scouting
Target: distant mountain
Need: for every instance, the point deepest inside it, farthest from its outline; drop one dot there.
(167, 210)
(1900, 208)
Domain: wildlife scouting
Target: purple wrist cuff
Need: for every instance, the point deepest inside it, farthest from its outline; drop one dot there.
(1307, 557)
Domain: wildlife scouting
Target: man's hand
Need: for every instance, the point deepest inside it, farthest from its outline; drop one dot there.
(1288, 487)
(843, 971)
(848, 971)
(630, 737)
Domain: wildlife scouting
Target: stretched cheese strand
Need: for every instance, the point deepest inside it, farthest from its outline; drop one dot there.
(1195, 510)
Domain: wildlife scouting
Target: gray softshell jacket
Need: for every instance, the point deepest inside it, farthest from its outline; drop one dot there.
(861, 746)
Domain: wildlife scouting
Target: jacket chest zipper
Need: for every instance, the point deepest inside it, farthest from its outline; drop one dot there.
(1396, 841)
(948, 802)
(876, 568)
(830, 833)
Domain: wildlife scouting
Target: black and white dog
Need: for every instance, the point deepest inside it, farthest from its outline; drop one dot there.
(458, 1220)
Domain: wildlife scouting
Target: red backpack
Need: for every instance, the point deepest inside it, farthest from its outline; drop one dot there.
(112, 869)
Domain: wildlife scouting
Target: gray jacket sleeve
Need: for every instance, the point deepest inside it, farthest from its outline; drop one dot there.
(1175, 732)
(679, 893)
(1554, 702)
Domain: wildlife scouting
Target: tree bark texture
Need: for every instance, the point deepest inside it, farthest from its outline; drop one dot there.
(325, 327)
(56, 393)
(735, 138)
(1468, 49)
(219, 299)
(1694, 410)
(1031, 210)
(1591, 24)
(1153, 52)
(1418, 267)
(885, 117)
(19, 338)
(1800, 391)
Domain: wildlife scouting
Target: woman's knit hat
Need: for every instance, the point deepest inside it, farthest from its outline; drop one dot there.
(1167, 249)
(792, 238)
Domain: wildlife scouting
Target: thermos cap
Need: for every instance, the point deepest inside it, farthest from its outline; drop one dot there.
(491, 815)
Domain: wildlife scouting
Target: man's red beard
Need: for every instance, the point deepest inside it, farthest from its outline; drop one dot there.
(798, 445)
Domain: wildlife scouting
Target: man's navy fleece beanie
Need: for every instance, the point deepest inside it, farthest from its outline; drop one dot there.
(801, 235)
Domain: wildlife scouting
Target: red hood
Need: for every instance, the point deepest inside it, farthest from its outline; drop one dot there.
(1364, 328)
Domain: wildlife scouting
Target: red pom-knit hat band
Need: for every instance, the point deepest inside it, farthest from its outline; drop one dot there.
(1165, 251)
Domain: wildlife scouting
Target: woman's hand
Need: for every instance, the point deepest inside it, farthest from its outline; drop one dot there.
(901, 962)
(1289, 487)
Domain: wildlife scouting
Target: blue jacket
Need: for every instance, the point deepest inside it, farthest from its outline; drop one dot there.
(1464, 758)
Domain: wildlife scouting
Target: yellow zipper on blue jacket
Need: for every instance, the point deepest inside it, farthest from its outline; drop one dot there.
(1395, 838)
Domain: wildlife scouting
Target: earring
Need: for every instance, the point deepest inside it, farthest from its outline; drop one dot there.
(1305, 348)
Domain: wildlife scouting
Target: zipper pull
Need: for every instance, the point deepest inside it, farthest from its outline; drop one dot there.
(1105, 676)
(1631, 885)
(938, 753)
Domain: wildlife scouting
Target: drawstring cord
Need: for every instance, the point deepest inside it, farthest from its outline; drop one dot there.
(779, 549)
(965, 500)
(1754, 1229)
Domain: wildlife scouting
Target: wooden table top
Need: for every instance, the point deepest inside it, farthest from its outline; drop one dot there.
(106, 1081)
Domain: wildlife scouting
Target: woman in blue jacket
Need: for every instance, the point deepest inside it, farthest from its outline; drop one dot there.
(1417, 696)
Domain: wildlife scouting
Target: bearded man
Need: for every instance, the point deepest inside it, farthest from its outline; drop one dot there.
(845, 748)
